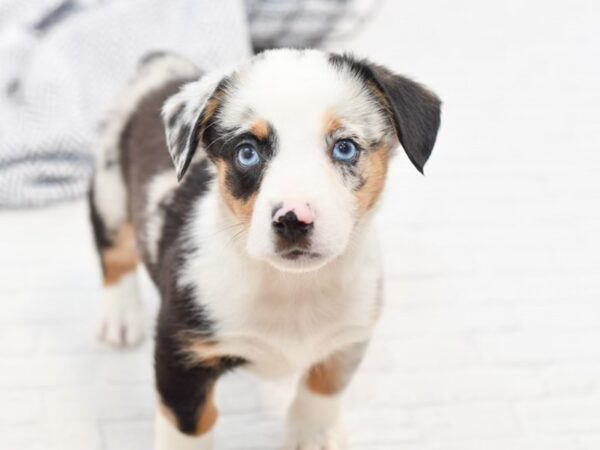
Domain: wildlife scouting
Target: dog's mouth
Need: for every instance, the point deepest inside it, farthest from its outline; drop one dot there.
(297, 260)
(299, 253)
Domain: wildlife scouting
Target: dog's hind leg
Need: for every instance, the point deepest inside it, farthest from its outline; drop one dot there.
(122, 317)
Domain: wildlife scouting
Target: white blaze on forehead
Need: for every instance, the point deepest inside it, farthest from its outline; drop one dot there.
(294, 89)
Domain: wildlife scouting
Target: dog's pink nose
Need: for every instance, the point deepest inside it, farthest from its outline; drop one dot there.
(303, 212)
(293, 222)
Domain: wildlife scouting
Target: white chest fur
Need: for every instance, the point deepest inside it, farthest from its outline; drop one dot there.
(280, 322)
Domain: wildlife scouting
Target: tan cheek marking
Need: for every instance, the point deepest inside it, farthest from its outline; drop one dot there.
(375, 171)
(325, 378)
(260, 129)
(122, 257)
(331, 123)
(242, 209)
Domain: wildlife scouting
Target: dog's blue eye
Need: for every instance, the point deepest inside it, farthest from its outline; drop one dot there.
(344, 151)
(248, 156)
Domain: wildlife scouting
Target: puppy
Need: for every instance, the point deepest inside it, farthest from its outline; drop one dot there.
(253, 215)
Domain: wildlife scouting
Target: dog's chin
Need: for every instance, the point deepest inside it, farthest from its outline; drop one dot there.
(299, 261)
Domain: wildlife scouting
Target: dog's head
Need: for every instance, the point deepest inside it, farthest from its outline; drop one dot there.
(301, 142)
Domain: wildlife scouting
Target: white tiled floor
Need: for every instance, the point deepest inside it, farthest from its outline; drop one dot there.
(490, 339)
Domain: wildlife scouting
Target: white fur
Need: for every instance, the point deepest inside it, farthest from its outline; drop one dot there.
(122, 319)
(313, 422)
(159, 189)
(167, 437)
(293, 89)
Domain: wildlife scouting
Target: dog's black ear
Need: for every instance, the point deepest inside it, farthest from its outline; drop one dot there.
(185, 116)
(415, 111)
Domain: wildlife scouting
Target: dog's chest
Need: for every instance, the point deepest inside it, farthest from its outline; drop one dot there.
(282, 327)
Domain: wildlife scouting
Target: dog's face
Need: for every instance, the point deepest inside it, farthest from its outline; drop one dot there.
(301, 142)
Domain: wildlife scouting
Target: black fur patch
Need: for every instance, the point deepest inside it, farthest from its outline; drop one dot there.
(223, 144)
(180, 312)
(415, 110)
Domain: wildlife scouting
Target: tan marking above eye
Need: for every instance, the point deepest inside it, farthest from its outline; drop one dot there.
(331, 123)
(242, 209)
(260, 129)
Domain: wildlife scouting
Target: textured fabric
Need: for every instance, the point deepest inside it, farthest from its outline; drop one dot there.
(63, 61)
(61, 65)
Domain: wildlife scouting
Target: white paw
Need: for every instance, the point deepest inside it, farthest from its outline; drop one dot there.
(122, 321)
(327, 439)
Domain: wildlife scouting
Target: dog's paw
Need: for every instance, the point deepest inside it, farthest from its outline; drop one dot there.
(122, 322)
(327, 439)
(122, 328)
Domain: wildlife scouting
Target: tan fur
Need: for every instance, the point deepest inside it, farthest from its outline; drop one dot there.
(210, 109)
(374, 173)
(122, 257)
(208, 414)
(260, 129)
(201, 351)
(325, 378)
(384, 102)
(331, 123)
(242, 209)
(332, 375)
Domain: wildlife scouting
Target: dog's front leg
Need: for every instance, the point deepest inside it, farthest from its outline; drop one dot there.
(186, 413)
(313, 418)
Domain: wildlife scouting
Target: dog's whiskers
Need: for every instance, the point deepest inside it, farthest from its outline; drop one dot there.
(227, 228)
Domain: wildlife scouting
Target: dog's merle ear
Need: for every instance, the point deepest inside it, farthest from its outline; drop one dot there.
(415, 111)
(186, 114)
